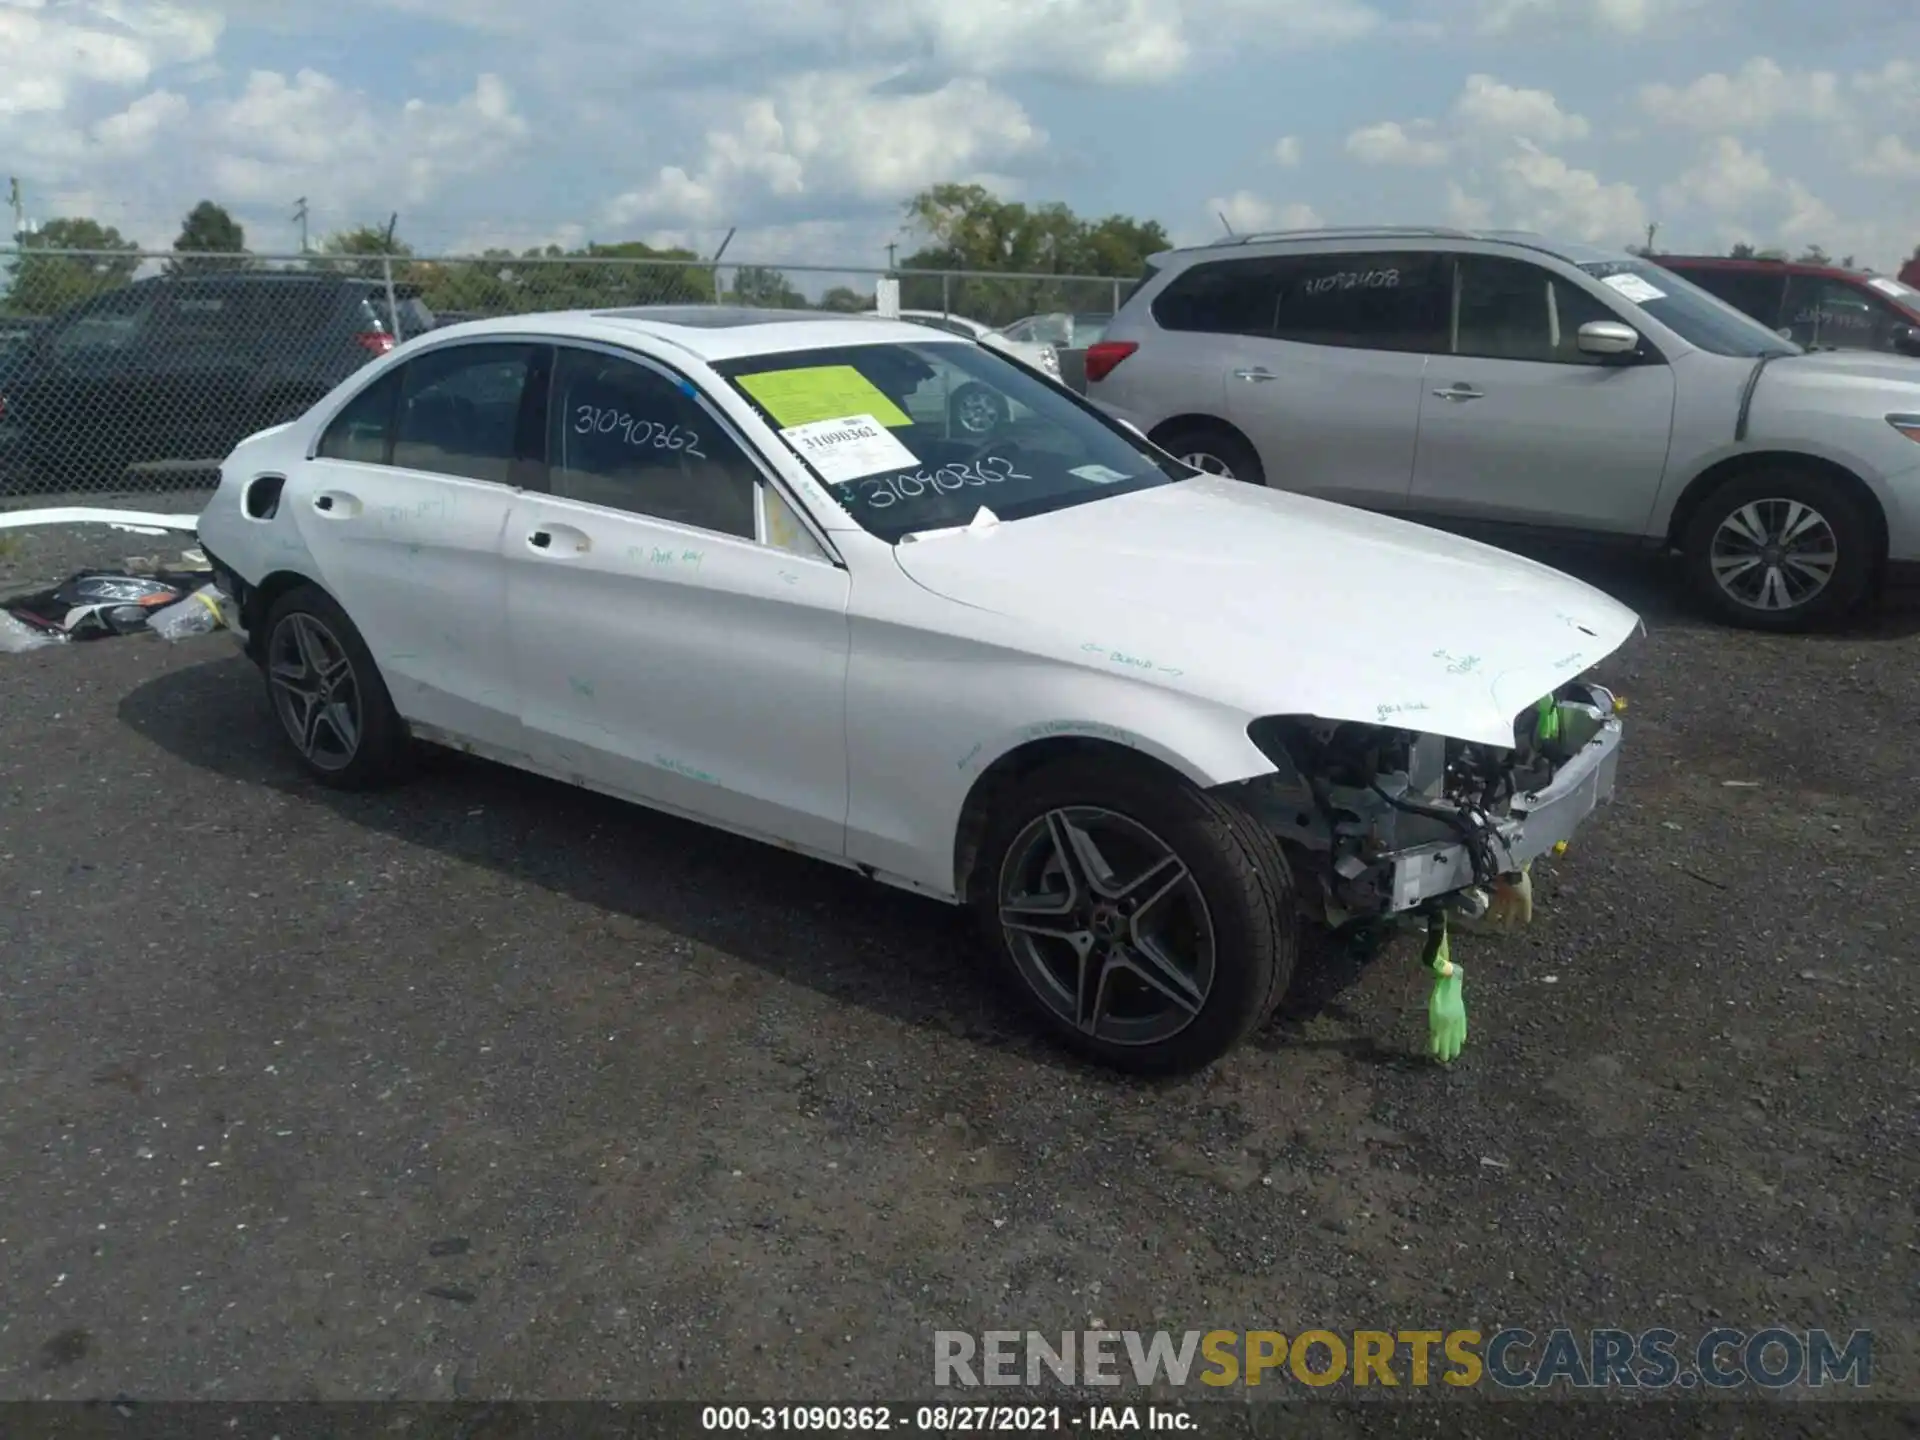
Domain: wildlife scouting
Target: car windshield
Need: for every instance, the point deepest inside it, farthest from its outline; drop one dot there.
(1905, 294)
(1691, 313)
(921, 436)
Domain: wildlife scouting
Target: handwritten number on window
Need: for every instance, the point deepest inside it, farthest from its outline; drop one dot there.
(1353, 280)
(892, 490)
(591, 419)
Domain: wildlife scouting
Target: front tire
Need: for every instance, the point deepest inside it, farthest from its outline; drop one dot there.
(1150, 925)
(1780, 550)
(332, 705)
(1215, 450)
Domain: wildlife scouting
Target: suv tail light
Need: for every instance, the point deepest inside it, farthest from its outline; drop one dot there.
(378, 341)
(1103, 355)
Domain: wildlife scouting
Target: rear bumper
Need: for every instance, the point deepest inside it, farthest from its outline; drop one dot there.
(1536, 824)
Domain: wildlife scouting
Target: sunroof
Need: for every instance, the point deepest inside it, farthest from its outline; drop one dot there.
(708, 317)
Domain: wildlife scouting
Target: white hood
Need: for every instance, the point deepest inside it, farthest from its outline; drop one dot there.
(1276, 604)
(1830, 367)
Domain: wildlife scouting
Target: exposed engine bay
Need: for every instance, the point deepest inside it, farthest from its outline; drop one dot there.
(1381, 821)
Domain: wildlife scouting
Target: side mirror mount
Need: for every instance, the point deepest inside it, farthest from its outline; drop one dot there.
(1608, 337)
(1907, 341)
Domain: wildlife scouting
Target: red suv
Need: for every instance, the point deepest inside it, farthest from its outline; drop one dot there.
(1820, 306)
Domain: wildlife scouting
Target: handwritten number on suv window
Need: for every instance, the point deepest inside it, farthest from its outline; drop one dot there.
(1353, 280)
(589, 419)
(891, 490)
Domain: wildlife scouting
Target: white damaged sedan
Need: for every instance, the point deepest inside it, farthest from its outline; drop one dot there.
(1145, 722)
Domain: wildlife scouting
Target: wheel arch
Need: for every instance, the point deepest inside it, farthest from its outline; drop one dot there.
(1735, 466)
(260, 599)
(1004, 775)
(1198, 420)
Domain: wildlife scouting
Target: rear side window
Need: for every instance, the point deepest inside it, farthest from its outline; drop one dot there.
(1367, 301)
(459, 411)
(1224, 297)
(1824, 311)
(362, 432)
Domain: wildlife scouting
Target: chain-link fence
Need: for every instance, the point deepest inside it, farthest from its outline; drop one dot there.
(123, 371)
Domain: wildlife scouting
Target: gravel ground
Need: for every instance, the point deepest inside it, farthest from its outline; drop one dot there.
(487, 1087)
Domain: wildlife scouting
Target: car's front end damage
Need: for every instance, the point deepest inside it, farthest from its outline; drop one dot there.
(1383, 822)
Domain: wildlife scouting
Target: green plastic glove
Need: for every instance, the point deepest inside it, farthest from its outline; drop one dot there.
(1446, 1009)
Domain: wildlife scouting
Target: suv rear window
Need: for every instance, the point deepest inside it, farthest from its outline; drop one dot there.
(1365, 300)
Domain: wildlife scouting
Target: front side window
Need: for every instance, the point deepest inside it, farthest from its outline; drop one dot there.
(1751, 292)
(1507, 309)
(1697, 317)
(459, 411)
(920, 436)
(629, 437)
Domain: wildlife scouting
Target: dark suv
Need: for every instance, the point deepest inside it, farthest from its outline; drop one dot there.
(1820, 306)
(175, 371)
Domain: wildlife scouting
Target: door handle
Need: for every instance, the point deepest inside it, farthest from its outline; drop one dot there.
(1257, 372)
(1460, 391)
(336, 505)
(559, 541)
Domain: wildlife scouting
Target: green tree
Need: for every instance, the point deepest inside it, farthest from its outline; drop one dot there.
(845, 301)
(1742, 251)
(968, 227)
(605, 276)
(67, 261)
(766, 288)
(342, 252)
(208, 237)
(1813, 255)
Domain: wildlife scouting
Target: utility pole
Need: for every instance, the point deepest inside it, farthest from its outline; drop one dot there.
(1652, 230)
(300, 219)
(892, 245)
(18, 204)
(393, 224)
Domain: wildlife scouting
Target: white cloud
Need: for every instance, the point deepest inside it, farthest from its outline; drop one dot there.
(342, 148)
(1391, 143)
(1247, 213)
(1620, 17)
(1467, 212)
(53, 55)
(1755, 96)
(1890, 158)
(836, 134)
(1287, 151)
(1490, 107)
(1727, 179)
(1545, 193)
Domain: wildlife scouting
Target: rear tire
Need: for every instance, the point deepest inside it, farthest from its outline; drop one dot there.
(332, 705)
(1215, 450)
(1780, 550)
(1163, 946)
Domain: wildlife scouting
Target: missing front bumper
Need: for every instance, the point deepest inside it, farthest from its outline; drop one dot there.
(1537, 824)
(1394, 846)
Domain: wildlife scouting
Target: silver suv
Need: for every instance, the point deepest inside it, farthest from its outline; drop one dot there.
(1502, 382)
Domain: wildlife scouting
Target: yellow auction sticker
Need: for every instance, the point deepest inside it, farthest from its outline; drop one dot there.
(821, 392)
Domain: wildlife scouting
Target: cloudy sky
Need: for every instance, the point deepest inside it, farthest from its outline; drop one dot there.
(807, 122)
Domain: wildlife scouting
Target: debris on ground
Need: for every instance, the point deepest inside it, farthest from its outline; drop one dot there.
(201, 613)
(97, 604)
